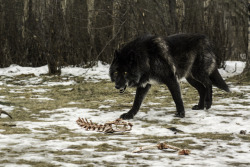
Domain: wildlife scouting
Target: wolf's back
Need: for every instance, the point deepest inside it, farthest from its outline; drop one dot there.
(183, 43)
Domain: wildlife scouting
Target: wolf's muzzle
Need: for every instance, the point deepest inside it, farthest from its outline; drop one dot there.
(122, 89)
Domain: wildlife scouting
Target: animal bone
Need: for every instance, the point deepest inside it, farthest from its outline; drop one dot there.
(118, 125)
(162, 146)
(4, 112)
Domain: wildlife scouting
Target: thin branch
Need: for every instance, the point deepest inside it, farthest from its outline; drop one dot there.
(108, 43)
(4, 112)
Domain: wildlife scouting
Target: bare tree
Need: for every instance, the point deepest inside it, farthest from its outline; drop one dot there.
(173, 18)
(76, 32)
(55, 40)
(90, 28)
(247, 68)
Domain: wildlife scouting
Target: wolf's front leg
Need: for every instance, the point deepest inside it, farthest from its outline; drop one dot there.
(139, 96)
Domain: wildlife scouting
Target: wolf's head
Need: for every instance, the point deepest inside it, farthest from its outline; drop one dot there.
(124, 70)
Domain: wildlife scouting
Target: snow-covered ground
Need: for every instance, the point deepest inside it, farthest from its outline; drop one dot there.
(100, 71)
(232, 68)
(219, 143)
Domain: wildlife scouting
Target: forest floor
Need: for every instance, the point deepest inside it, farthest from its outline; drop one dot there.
(44, 132)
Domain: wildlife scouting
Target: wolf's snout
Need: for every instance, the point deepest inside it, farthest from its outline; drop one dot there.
(117, 87)
(121, 88)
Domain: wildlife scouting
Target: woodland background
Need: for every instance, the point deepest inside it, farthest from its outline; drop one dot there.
(82, 32)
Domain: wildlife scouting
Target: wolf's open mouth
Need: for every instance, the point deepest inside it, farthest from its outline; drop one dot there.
(122, 90)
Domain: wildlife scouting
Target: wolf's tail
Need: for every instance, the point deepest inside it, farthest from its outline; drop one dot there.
(218, 81)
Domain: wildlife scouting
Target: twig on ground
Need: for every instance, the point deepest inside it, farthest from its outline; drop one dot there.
(118, 125)
(4, 112)
(162, 146)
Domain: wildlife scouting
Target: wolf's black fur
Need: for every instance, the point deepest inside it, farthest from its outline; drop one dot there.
(155, 59)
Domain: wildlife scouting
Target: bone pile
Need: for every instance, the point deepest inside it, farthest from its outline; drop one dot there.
(118, 125)
(162, 146)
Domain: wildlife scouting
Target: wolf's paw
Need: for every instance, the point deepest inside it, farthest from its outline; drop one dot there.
(180, 114)
(197, 107)
(127, 116)
(208, 104)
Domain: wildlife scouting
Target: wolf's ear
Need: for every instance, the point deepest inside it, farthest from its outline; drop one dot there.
(132, 59)
(116, 54)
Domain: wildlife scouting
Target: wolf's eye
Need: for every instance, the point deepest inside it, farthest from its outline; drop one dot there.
(125, 73)
(115, 73)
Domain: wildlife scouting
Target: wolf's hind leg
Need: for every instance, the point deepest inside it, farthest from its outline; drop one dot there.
(174, 87)
(139, 96)
(207, 83)
(209, 97)
(201, 90)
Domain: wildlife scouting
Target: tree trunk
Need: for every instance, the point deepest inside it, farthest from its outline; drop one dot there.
(173, 19)
(25, 16)
(116, 20)
(115, 16)
(91, 20)
(56, 29)
(194, 16)
(247, 68)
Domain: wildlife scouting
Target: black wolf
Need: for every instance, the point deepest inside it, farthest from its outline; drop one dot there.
(156, 59)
